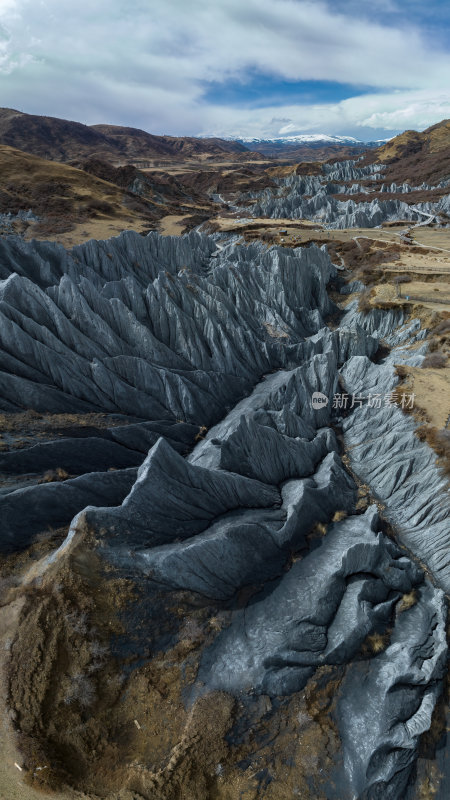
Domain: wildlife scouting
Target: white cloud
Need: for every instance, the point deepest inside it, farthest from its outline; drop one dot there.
(145, 63)
(416, 109)
(390, 112)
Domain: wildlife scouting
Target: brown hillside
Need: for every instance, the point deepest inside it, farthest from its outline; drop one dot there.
(64, 197)
(55, 139)
(93, 199)
(132, 143)
(137, 144)
(64, 140)
(158, 187)
(416, 157)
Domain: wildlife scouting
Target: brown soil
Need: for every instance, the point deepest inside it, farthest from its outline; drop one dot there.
(434, 295)
(120, 729)
(172, 225)
(308, 153)
(431, 388)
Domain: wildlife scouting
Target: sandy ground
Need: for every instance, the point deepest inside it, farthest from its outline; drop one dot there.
(435, 296)
(432, 393)
(97, 229)
(430, 237)
(179, 167)
(434, 262)
(430, 385)
(433, 237)
(172, 225)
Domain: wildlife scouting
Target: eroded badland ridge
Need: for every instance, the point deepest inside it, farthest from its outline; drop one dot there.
(224, 465)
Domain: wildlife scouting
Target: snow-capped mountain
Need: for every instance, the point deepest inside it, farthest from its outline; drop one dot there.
(303, 145)
(303, 138)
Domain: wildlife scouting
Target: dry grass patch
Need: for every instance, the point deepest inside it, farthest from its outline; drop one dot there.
(443, 326)
(53, 475)
(364, 301)
(436, 360)
(408, 601)
(439, 440)
(338, 516)
(376, 643)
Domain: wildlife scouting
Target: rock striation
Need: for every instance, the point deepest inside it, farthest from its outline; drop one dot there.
(400, 469)
(151, 327)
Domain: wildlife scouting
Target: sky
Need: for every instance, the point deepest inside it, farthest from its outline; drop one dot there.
(237, 68)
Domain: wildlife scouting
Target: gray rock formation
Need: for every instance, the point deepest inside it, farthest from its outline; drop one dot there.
(173, 499)
(391, 698)
(212, 355)
(33, 510)
(75, 456)
(268, 440)
(400, 469)
(313, 197)
(94, 330)
(273, 645)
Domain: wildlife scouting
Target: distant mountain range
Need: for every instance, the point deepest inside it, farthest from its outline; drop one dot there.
(303, 138)
(305, 146)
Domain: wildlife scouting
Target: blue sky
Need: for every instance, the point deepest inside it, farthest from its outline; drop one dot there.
(257, 90)
(260, 68)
